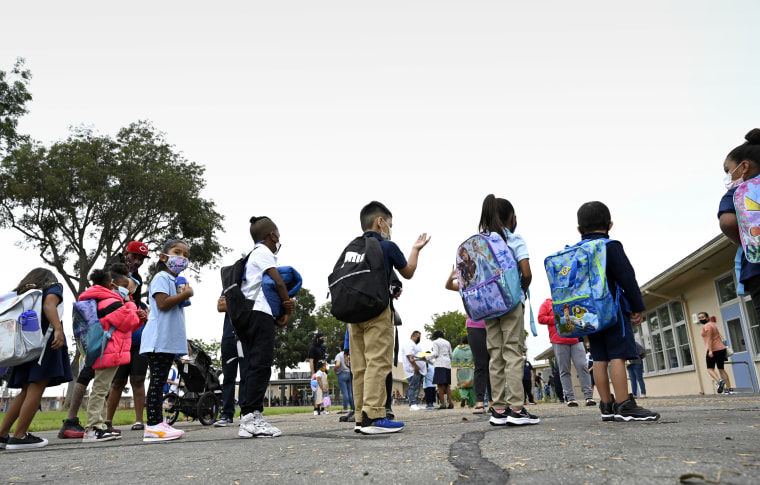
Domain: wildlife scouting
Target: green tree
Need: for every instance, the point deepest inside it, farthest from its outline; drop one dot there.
(214, 350)
(334, 330)
(13, 99)
(452, 324)
(86, 197)
(291, 343)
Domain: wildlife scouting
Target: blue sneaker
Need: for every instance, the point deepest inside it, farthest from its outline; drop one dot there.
(382, 426)
(430, 406)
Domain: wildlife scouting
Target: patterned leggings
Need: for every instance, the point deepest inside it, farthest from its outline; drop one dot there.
(159, 371)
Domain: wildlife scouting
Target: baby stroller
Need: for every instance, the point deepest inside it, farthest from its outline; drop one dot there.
(199, 394)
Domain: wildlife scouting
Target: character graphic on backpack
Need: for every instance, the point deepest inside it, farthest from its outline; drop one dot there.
(466, 267)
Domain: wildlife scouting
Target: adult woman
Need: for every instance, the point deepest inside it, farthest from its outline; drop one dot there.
(441, 356)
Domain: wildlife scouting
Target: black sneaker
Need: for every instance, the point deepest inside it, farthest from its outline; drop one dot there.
(730, 390)
(590, 402)
(112, 430)
(607, 409)
(71, 429)
(572, 404)
(27, 442)
(721, 386)
(497, 418)
(521, 418)
(3, 442)
(630, 411)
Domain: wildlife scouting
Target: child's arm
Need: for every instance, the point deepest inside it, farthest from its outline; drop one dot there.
(282, 290)
(452, 283)
(125, 318)
(729, 226)
(50, 307)
(545, 313)
(164, 302)
(411, 264)
(526, 275)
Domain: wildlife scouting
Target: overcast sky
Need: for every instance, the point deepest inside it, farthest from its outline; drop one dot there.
(305, 111)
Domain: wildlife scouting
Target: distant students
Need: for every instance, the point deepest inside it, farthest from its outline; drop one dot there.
(610, 348)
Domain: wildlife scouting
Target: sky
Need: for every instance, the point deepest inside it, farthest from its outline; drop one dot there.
(305, 111)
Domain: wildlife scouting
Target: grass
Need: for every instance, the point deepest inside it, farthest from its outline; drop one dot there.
(52, 420)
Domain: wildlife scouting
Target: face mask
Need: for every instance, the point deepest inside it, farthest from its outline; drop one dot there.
(386, 235)
(702, 321)
(123, 292)
(177, 264)
(133, 267)
(730, 184)
(277, 247)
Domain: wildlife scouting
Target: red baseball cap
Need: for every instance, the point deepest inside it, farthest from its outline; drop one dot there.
(138, 248)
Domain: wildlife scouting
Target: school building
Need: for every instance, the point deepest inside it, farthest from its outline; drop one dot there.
(704, 281)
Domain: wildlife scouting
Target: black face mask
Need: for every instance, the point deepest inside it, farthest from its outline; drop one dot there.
(703, 321)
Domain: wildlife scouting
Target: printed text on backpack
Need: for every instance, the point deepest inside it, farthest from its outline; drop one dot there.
(358, 285)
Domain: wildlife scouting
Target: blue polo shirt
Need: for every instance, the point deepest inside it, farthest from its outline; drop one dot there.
(749, 270)
(392, 255)
(620, 273)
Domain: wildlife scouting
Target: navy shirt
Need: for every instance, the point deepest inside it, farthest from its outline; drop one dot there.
(749, 270)
(227, 331)
(620, 273)
(528, 371)
(392, 255)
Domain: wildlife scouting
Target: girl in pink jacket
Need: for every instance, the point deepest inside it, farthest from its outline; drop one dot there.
(117, 311)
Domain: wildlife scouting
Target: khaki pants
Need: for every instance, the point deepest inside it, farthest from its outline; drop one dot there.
(371, 347)
(96, 407)
(505, 338)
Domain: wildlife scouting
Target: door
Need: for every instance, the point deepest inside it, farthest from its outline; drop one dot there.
(736, 338)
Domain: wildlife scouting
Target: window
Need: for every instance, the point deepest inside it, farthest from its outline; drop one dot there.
(754, 327)
(666, 339)
(726, 289)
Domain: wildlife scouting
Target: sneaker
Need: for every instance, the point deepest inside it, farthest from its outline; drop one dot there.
(97, 435)
(430, 406)
(533, 403)
(572, 404)
(607, 409)
(498, 418)
(451, 405)
(223, 422)
(3, 442)
(415, 407)
(721, 386)
(27, 442)
(316, 413)
(630, 411)
(358, 428)
(389, 413)
(112, 430)
(590, 402)
(521, 418)
(382, 426)
(71, 429)
(161, 432)
(257, 426)
(730, 390)
(325, 412)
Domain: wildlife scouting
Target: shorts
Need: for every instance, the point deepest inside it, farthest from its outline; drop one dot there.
(610, 343)
(137, 367)
(85, 376)
(718, 358)
(442, 376)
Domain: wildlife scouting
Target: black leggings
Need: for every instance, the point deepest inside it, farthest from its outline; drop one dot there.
(159, 372)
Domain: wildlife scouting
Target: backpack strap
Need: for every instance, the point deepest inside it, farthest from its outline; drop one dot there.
(738, 270)
(532, 320)
(109, 309)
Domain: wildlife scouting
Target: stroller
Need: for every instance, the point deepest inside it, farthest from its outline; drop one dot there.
(199, 393)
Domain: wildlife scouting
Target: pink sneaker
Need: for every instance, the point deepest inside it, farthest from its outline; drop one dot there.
(161, 432)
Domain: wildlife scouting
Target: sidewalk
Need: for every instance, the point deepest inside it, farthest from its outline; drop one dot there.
(696, 435)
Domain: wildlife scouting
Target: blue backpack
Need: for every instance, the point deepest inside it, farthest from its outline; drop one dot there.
(89, 334)
(581, 299)
(292, 280)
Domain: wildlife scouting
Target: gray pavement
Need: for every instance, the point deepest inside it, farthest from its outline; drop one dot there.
(702, 435)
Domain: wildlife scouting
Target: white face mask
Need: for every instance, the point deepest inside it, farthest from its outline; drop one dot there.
(386, 235)
(730, 184)
(123, 292)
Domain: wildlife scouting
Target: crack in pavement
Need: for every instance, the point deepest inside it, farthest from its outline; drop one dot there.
(470, 463)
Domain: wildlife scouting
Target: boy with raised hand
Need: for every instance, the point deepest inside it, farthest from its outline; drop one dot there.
(371, 342)
(614, 345)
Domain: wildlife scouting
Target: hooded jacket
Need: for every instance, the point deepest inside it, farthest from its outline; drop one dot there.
(123, 319)
(546, 317)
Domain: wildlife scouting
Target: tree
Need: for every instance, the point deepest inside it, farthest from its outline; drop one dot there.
(13, 99)
(213, 350)
(86, 197)
(334, 330)
(291, 343)
(452, 324)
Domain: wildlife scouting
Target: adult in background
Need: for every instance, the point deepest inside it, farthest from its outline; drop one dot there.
(317, 352)
(462, 360)
(716, 353)
(232, 361)
(441, 355)
(636, 373)
(529, 375)
(476, 336)
(342, 370)
(539, 387)
(414, 370)
(567, 350)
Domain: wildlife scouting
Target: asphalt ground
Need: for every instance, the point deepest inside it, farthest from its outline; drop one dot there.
(715, 437)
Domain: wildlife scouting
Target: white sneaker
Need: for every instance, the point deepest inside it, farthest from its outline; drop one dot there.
(247, 427)
(325, 412)
(161, 432)
(263, 428)
(316, 413)
(415, 407)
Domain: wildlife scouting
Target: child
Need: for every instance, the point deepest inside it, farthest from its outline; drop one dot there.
(322, 388)
(505, 334)
(430, 391)
(613, 346)
(372, 341)
(33, 378)
(258, 341)
(462, 360)
(164, 335)
(114, 310)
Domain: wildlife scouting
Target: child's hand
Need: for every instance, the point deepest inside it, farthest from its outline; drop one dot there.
(57, 339)
(421, 241)
(289, 305)
(187, 292)
(637, 318)
(283, 320)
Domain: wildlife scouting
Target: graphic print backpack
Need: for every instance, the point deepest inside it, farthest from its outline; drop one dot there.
(747, 204)
(90, 336)
(21, 338)
(488, 277)
(581, 299)
(358, 285)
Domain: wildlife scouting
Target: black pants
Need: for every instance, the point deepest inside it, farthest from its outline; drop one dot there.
(528, 391)
(482, 379)
(258, 348)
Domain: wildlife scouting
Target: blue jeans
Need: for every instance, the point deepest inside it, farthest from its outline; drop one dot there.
(230, 363)
(413, 393)
(346, 390)
(636, 374)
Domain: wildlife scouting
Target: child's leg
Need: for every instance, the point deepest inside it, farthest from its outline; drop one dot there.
(603, 384)
(448, 392)
(358, 365)
(513, 332)
(29, 407)
(159, 371)
(259, 353)
(496, 364)
(11, 415)
(378, 361)
(441, 394)
(619, 377)
(724, 374)
(96, 407)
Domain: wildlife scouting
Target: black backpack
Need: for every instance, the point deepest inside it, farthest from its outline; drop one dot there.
(359, 283)
(239, 309)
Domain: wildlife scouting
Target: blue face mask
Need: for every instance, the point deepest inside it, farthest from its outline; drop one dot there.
(123, 292)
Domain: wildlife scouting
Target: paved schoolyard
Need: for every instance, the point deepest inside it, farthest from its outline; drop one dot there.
(699, 435)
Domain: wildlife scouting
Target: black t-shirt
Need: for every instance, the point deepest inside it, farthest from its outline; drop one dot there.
(316, 353)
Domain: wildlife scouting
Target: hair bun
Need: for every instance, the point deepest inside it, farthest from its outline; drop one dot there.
(753, 137)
